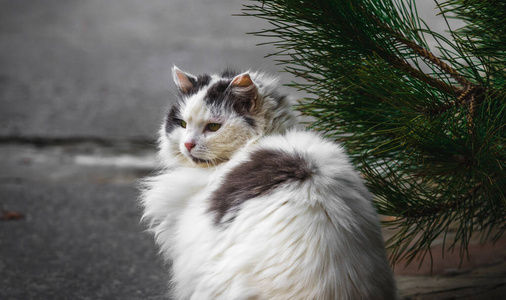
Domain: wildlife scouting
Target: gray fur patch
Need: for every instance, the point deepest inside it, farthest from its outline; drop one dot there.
(171, 120)
(265, 171)
(220, 95)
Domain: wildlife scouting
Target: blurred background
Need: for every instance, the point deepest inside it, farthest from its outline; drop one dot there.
(84, 85)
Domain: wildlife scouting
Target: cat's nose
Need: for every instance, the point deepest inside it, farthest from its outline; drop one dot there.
(189, 146)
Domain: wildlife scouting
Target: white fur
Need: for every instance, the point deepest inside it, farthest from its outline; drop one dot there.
(316, 240)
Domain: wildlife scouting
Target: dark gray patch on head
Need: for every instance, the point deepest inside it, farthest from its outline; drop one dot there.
(221, 96)
(265, 171)
(171, 120)
(217, 93)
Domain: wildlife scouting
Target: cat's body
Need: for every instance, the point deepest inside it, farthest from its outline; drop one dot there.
(278, 215)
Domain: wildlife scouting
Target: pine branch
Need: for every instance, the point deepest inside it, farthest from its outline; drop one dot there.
(431, 145)
(424, 53)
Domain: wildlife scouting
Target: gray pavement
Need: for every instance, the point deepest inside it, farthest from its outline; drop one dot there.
(77, 241)
(83, 87)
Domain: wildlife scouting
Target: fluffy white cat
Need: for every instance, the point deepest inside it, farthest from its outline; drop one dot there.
(248, 208)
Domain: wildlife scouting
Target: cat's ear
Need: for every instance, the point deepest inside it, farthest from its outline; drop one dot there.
(184, 81)
(243, 87)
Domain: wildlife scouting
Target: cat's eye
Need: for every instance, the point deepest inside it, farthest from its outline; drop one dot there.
(213, 126)
(183, 123)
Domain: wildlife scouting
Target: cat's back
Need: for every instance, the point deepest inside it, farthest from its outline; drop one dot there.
(290, 218)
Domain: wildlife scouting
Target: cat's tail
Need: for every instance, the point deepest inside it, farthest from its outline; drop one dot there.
(300, 162)
(297, 195)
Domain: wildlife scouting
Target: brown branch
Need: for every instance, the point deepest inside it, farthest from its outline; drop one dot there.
(424, 53)
(406, 67)
(469, 95)
(433, 59)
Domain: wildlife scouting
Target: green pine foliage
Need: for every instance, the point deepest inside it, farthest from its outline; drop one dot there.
(427, 131)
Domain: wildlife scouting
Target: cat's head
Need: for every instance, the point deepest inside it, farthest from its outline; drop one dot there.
(215, 116)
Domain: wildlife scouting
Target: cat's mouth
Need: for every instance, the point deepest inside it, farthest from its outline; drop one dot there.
(199, 160)
(208, 162)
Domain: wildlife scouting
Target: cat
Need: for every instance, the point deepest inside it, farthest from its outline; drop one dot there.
(248, 207)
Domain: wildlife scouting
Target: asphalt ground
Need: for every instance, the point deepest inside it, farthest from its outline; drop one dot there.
(77, 241)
